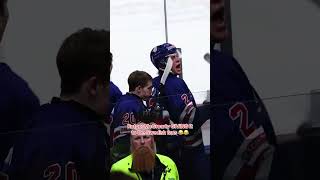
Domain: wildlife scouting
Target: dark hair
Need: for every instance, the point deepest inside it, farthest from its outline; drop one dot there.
(84, 54)
(138, 78)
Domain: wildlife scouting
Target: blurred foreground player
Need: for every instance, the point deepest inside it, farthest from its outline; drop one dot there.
(173, 95)
(17, 101)
(242, 135)
(67, 136)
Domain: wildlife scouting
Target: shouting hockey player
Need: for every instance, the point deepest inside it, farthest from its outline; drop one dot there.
(174, 96)
(242, 135)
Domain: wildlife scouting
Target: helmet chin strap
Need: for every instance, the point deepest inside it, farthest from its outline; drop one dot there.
(166, 71)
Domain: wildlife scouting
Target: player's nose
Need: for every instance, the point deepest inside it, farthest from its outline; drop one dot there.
(142, 141)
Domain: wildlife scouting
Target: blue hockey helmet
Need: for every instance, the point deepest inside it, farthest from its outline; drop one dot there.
(159, 55)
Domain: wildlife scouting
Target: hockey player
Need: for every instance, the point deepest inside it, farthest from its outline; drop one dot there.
(173, 95)
(67, 137)
(242, 135)
(114, 96)
(17, 101)
(114, 93)
(128, 110)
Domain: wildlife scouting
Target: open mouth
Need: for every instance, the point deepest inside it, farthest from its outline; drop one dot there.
(178, 66)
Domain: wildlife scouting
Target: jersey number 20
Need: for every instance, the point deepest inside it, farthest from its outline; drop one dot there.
(128, 118)
(53, 172)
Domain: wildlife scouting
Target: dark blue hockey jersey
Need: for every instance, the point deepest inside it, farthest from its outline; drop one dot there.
(127, 110)
(114, 94)
(242, 135)
(66, 140)
(17, 103)
(178, 100)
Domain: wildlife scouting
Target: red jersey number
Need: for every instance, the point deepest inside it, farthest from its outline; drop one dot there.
(240, 111)
(128, 118)
(53, 172)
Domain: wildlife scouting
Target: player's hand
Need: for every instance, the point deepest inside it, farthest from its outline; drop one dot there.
(147, 116)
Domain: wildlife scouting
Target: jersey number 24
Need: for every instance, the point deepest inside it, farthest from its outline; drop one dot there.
(240, 111)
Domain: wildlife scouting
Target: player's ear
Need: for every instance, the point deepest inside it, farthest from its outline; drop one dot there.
(138, 89)
(92, 86)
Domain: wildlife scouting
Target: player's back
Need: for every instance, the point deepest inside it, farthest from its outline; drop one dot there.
(65, 139)
(238, 114)
(127, 110)
(17, 103)
(115, 94)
